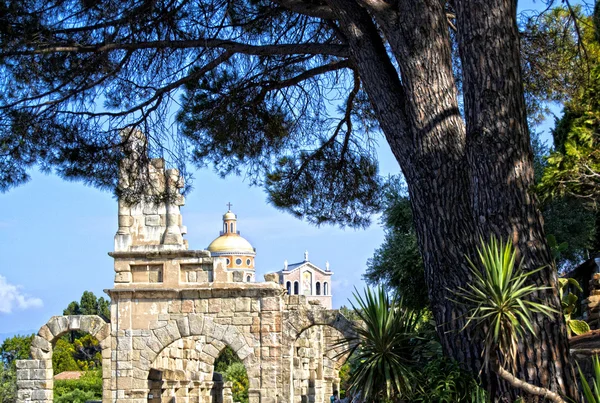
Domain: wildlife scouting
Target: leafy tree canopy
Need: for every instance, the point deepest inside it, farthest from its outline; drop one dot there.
(558, 50)
(89, 305)
(397, 262)
(15, 348)
(574, 167)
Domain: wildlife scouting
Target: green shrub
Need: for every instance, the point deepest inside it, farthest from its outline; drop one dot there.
(90, 383)
(77, 396)
(8, 384)
(443, 381)
(237, 375)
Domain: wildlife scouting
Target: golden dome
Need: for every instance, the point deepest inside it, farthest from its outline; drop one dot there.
(229, 216)
(231, 243)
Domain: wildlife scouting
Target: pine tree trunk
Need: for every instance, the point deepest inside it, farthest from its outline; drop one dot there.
(462, 184)
(422, 124)
(501, 165)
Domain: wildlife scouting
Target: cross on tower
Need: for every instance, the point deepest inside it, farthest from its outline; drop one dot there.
(229, 206)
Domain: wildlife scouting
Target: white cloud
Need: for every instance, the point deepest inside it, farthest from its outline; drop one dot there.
(11, 298)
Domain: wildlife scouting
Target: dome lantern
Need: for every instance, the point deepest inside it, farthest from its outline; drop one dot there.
(237, 251)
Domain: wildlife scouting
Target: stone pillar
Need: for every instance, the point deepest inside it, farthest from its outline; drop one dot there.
(173, 233)
(34, 381)
(227, 393)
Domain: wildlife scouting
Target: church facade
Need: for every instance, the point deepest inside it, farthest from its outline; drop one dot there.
(173, 310)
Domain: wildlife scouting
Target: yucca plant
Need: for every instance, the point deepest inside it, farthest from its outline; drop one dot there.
(384, 347)
(500, 306)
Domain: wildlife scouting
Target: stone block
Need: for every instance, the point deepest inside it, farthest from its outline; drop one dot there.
(152, 220)
(103, 333)
(214, 306)
(125, 221)
(163, 337)
(40, 374)
(187, 306)
(244, 352)
(28, 364)
(242, 320)
(58, 325)
(24, 374)
(124, 343)
(39, 354)
(211, 350)
(42, 395)
(270, 304)
(46, 333)
(183, 325)
(242, 304)
(175, 306)
(196, 322)
(123, 277)
(154, 344)
(272, 277)
(220, 330)
(41, 343)
(173, 330)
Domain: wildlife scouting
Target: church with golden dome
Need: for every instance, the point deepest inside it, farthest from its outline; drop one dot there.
(303, 278)
(235, 249)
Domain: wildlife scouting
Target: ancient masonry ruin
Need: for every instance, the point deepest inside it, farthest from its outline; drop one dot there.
(174, 310)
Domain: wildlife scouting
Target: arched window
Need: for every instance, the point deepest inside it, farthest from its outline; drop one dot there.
(231, 227)
(225, 227)
(318, 288)
(325, 288)
(295, 287)
(248, 279)
(288, 286)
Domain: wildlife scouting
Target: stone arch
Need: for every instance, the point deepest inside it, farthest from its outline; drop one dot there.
(212, 338)
(304, 319)
(199, 325)
(295, 342)
(42, 345)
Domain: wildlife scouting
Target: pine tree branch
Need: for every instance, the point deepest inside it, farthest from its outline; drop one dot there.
(236, 47)
(308, 9)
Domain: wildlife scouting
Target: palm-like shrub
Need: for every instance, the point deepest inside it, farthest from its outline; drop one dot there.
(384, 347)
(500, 307)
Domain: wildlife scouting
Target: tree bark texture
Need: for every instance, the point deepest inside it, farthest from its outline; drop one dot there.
(501, 166)
(447, 166)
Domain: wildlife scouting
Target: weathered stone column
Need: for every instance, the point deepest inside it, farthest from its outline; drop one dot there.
(173, 234)
(34, 381)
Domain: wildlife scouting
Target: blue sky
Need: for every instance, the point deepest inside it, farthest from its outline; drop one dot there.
(55, 236)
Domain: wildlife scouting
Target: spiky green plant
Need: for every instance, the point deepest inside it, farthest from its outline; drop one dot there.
(385, 345)
(499, 299)
(592, 394)
(500, 306)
